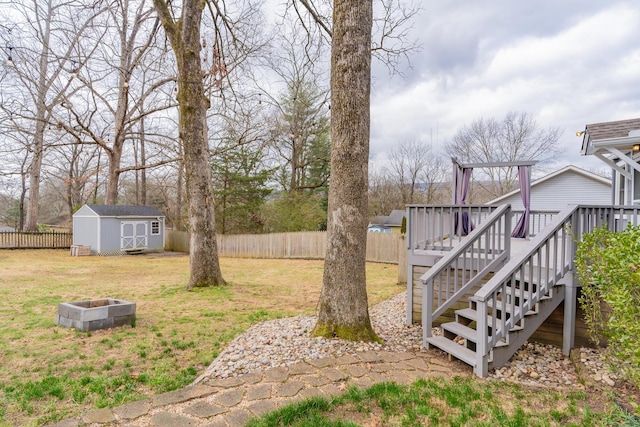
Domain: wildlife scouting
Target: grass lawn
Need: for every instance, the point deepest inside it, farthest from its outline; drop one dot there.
(48, 372)
(451, 402)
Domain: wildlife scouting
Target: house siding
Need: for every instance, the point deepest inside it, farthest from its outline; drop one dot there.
(565, 189)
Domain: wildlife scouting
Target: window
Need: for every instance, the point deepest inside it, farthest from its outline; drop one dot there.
(155, 227)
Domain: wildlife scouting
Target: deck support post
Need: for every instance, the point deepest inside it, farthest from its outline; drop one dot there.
(427, 311)
(409, 289)
(569, 324)
(482, 330)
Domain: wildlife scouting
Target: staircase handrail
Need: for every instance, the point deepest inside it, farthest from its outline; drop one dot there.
(499, 215)
(517, 268)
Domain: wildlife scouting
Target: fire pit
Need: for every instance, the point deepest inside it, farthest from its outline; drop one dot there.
(96, 314)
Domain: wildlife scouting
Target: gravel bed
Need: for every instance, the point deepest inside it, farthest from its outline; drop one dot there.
(286, 341)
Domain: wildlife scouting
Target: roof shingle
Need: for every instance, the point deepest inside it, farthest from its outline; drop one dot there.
(125, 210)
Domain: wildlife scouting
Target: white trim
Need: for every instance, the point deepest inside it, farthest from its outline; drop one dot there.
(613, 165)
(615, 142)
(135, 236)
(623, 157)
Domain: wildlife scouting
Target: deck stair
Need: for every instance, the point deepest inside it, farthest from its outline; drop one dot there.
(460, 336)
(511, 304)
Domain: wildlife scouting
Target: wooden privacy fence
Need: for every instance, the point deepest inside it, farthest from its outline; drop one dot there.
(35, 240)
(381, 247)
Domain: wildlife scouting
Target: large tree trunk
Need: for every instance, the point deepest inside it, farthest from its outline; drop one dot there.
(35, 169)
(113, 173)
(343, 309)
(184, 36)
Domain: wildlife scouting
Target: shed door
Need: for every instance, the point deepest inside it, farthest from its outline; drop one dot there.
(133, 235)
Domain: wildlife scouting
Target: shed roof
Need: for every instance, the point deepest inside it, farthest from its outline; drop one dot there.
(125, 210)
(393, 220)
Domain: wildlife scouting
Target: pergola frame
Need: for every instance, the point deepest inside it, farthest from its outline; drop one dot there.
(461, 183)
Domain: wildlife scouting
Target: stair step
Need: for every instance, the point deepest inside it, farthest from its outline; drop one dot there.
(471, 314)
(509, 308)
(456, 350)
(460, 330)
(465, 332)
(520, 293)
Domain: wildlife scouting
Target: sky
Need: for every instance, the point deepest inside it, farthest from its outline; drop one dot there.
(567, 63)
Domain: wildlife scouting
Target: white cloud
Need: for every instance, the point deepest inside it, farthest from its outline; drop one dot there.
(567, 67)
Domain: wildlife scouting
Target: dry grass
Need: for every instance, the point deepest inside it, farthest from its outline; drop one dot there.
(177, 333)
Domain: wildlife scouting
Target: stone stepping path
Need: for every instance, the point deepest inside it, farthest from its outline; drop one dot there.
(233, 401)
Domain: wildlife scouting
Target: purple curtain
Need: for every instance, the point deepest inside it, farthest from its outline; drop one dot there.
(463, 178)
(521, 230)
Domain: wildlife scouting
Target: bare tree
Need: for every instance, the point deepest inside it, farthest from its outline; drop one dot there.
(183, 31)
(415, 170)
(47, 31)
(343, 309)
(383, 194)
(517, 137)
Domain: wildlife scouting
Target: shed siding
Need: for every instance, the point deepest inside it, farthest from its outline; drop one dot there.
(156, 241)
(566, 189)
(110, 234)
(84, 232)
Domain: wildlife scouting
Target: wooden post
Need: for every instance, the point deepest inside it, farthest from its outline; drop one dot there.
(402, 262)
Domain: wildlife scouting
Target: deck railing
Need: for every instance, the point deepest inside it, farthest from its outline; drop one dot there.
(35, 240)
(433, 227)
(463, 267)
(538, 220)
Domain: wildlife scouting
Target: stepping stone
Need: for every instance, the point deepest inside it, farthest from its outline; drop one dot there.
(252, 378)
(237, 418)
(100, 416)
(381, 367)
(204, 410)
(276, 375)
(301, 368)
(262, 407)
(289, 389)
(259, 392)
(132, 410)
(217, 422)
(357, 371)
(346, 360)
(369, 357)
(228, 398)
(324, 362)
(165, 419)
(227, 382)
(315, 380)
(306, 393)
(333, 374)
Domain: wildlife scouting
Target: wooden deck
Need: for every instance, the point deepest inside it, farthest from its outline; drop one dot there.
(515, 289)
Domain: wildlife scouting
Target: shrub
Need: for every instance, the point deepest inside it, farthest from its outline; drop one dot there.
(608, 266)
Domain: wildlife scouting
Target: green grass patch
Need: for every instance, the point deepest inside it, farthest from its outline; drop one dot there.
(176, 335)
(455, 402)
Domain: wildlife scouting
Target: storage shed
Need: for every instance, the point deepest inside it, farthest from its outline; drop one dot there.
(119, 229)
